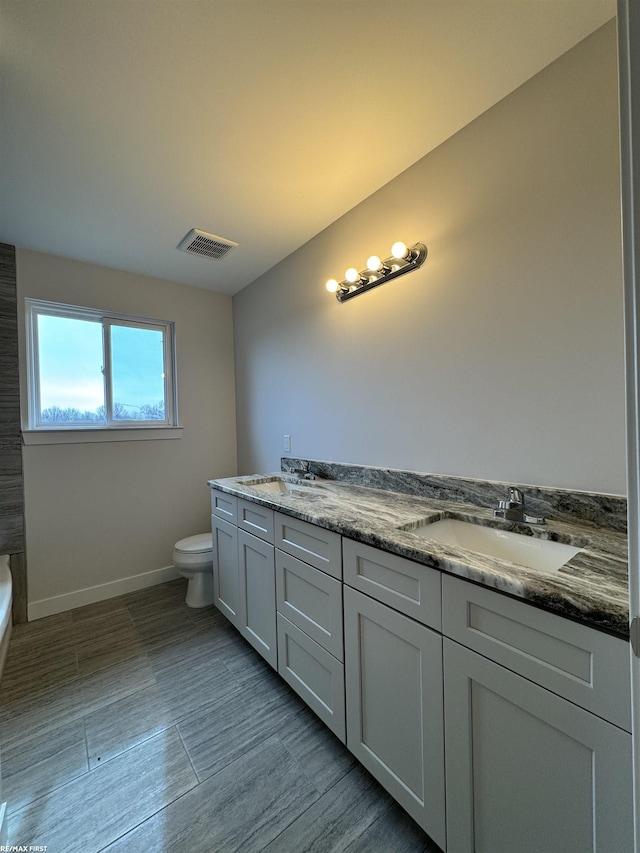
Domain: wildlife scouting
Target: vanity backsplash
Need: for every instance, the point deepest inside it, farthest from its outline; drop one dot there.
(604, 511)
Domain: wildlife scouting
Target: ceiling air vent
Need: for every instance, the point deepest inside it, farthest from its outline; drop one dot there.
(206, 245)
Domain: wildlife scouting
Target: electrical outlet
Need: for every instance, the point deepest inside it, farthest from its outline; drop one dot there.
(287, 444)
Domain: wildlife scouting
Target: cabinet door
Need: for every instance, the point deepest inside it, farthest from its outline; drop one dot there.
(393, 674)
(257, 602)
(528, 771)
(225, 568)
(313, 673)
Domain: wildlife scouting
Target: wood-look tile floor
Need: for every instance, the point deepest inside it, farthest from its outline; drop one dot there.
(139, 724)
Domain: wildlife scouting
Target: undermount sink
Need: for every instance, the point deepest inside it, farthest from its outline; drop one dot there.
(273, 485)
(543, 555)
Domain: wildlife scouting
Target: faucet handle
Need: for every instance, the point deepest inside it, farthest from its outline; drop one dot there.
(516, 498)
(513, 509)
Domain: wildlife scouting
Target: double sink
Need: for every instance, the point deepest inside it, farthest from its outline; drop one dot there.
(527, 551)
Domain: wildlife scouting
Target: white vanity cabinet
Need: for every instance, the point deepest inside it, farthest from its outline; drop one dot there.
(394, 680)
(498, 726)
(527, 769)
(244, 570)
(309, 603)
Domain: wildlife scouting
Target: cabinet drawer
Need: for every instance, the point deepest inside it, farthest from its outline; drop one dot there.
(311, 600)
(406, 586)
(255, 519)
(313, 673)
(224, 506)
(579, 663)
(315, 545)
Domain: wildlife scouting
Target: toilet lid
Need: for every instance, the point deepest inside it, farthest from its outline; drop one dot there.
(195, 544)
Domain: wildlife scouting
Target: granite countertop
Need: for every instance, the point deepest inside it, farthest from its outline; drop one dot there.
(591, 587)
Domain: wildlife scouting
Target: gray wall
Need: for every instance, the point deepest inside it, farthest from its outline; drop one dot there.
(101, 514)
(502, 357)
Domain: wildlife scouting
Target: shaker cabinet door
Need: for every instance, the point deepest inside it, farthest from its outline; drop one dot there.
(225, 568)
(528, 771)
(313, 673)
(393, 675)
(257, 602)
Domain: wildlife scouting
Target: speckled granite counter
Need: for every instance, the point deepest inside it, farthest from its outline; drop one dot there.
(591, 587)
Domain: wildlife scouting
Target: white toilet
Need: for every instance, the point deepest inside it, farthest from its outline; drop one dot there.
(192, 557)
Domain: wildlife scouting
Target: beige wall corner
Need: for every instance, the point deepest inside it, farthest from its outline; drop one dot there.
(98, 514)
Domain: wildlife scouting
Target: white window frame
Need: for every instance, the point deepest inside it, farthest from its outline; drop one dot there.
(37, 307)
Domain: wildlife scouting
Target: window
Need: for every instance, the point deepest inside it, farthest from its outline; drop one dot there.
(92, 370)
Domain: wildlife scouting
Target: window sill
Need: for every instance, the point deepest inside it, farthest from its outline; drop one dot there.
(85, 436)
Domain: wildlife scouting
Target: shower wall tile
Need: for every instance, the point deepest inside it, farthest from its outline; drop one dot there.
(11, 481)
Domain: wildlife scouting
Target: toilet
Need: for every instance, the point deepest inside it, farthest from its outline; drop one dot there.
(192, 557)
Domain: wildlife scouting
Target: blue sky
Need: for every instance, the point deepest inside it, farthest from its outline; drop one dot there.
(71, 364)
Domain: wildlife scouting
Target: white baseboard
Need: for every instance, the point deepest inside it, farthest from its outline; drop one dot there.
(91, 594)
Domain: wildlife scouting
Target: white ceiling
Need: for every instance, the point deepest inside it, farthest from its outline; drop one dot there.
(125, 123)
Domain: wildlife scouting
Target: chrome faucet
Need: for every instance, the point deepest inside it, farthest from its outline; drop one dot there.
(304, 471)
(513, 509)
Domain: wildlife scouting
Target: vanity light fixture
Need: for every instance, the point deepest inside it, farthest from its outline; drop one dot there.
(401, 261)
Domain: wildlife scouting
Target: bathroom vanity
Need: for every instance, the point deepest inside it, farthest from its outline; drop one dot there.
(491, 700)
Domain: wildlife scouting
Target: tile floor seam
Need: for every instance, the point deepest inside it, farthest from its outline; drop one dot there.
(184, 746)
(56, 790)
(107, 665)
(144, 739)
(298, 761)
(12, 812)
(86, 744)
(16, 740)
(183, 718)
(147, 819)
(223, 765)
(50, 793)
(159, 811)
(37, 695)
(7, 717)
(302, 813)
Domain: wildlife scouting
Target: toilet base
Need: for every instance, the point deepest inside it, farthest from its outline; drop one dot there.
(200, 589)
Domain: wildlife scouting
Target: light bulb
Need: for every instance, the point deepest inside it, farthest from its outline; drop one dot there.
(374, 263)
(352, 275)
(399, 250)
(332, 285)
